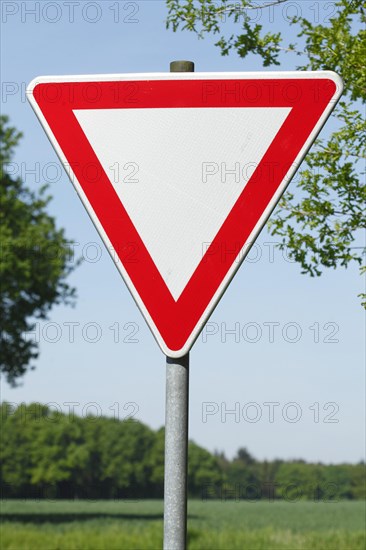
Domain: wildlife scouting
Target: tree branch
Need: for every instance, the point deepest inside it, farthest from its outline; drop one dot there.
(249, 7)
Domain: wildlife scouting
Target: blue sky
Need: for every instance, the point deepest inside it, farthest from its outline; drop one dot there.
(293, 372)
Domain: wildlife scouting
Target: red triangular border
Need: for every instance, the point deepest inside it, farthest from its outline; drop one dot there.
(308, 99)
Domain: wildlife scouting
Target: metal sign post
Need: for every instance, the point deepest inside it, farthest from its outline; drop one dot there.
(176, 447)
(176, 431)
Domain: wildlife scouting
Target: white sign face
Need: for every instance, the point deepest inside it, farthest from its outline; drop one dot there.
(180, 171)
(174, 188)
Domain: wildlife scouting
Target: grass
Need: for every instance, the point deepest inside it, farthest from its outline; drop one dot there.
(214, 525)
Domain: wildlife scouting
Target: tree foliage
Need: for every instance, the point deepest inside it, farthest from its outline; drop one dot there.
(48, 454)
(34, 262)
(319, 223)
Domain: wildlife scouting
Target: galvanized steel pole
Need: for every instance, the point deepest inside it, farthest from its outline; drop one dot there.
(176, 444)
(176, 432)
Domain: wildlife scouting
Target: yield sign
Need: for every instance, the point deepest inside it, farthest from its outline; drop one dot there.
(180, 171)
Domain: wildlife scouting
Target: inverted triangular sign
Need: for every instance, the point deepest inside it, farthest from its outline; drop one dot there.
(180, 171)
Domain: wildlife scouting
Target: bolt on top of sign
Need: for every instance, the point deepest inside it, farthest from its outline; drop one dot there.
(180, 171)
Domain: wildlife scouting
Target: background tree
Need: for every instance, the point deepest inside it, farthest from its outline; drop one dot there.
(124, 457)
(60, 457)
(203, 471)
(15, 445)
(45, 453)
(244, 456)
(34, 262)
(320, 223)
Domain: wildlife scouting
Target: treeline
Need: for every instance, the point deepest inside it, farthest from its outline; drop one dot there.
(48, 454)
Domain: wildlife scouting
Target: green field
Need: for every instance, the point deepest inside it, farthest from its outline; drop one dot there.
(70, 525)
